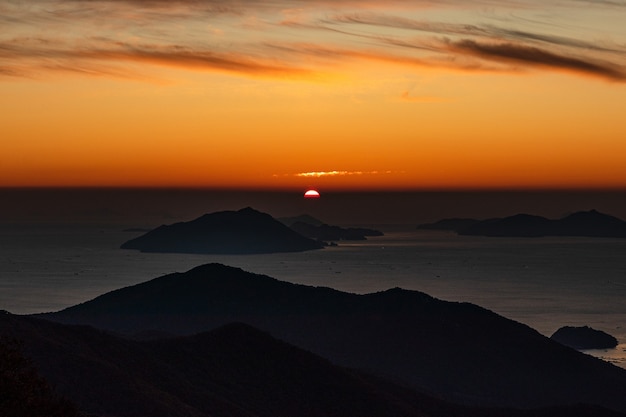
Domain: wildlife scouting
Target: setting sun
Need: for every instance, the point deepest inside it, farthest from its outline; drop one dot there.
(359, 95)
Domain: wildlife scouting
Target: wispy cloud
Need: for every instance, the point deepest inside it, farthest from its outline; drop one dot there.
(320, 174)
(297, 38)
(35, 55)
(533, 56)
(501, 45)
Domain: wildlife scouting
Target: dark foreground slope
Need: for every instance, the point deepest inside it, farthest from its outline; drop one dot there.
(458, 351)
(23, 392)
(232, 371)
(226, 232)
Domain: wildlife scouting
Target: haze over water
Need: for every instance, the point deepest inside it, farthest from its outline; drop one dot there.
(72, 254)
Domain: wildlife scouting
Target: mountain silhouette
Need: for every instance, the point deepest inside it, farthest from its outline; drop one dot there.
(584, 338)
(457, 351)
(23, 392)
(519, 225)
(304, 218)
(585, 224)
(246, 231)
(232, 371)
(313, 228)
(325, 232)
(454, 224)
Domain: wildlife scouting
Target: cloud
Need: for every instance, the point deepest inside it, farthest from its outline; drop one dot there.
(498, 44)
(300, 38)
(319, 174)
(615, 3)
(181, 56)
(556, 40)
(533, 56)
(487, 31)
(60, 56)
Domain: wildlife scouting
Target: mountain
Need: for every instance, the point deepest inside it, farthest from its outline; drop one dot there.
(590, 223)
(519, 225)
(313, 228)
(584, 338)
(586, 223)
(454, 224)
(325, 232)
(234, 371)
(304, 218)
(23, 392)
(246, 231)
(457, 351)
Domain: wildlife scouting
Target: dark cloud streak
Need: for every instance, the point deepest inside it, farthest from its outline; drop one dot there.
(281, 38)
(63, 57)
(533, 56)
(483, 31)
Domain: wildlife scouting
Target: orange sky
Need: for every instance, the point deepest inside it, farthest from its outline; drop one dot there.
(295, 94)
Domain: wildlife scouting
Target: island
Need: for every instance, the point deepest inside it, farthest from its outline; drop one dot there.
(590, 223)
(453, 224)
(313, 228)
(246, 231)
(584, 338)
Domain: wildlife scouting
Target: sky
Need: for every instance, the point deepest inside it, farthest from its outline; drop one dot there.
(295, 94)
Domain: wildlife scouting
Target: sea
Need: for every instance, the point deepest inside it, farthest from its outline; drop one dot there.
(53, 262)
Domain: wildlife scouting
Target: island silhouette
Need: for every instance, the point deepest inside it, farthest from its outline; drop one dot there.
(590, 223)
(584, 337)
(313, 228)
(246, 231)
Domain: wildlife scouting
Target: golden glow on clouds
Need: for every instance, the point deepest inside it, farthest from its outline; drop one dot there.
(344, 94)
(318, 174)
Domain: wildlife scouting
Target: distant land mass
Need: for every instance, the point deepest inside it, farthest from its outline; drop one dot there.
(584, 338)
(453, 224)
(304, 218)
(327, 232)
(232, 371)
(584, 224)
(313, 228)
(246, 231)
(456, 351)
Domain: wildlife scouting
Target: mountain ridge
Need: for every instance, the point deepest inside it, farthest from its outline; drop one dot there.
(590, 223)
(232, 371)
(459, 351)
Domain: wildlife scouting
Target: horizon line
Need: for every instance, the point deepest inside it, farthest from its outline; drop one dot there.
(322, 190)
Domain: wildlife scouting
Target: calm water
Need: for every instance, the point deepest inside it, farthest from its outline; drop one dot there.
(545, 283)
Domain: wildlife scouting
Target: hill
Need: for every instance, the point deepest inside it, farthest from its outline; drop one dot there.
(23, 392)
(457, 351)
(232, 371)
(327, 232)
(584, 338)
(454, 224)
(586, 223)
(313, 228)
(246, 231)
(303, 218)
